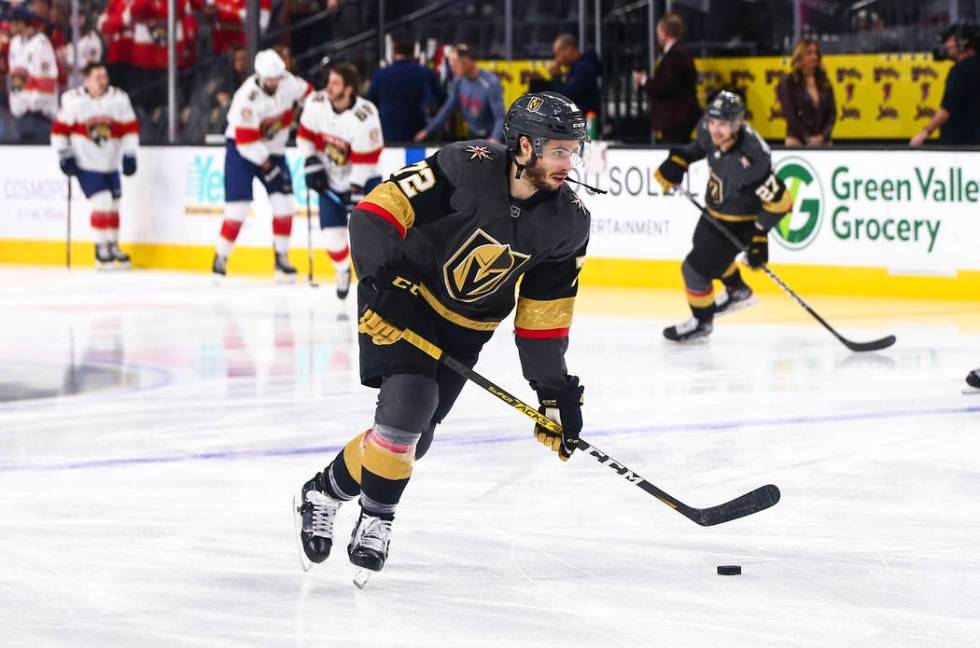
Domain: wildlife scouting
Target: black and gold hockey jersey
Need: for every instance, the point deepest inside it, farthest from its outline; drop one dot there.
(450, 220)
(742, 186)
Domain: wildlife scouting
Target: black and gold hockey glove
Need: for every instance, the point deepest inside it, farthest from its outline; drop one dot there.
(758, 253)
(390, 308)
(564, 407)
(671, 171)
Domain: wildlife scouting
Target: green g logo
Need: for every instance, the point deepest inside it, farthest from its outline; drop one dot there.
(799, 228)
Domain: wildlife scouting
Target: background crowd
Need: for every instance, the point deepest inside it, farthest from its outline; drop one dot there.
(432, 86)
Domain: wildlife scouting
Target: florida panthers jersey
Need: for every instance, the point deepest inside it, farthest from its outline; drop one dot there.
(350, 142)
(33, 76)
(258, 122)
(98, 130)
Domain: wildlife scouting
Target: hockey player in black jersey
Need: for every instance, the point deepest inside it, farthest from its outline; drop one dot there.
(743, 195)
(439, 248)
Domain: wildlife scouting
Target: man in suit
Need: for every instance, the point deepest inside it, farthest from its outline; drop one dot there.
(674, 109)
(403, 92)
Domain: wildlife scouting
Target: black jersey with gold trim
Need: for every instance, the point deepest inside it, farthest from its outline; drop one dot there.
(741, 184)
(450, 220)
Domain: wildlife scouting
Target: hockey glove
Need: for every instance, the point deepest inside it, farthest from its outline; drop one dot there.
(671, 172)
(564, 407)
(758, 252)
(67, 162)
(316, 175)
(275, 180)
(129, 164)
(390, 308)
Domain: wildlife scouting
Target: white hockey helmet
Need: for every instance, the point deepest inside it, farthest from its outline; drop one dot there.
(269, 65)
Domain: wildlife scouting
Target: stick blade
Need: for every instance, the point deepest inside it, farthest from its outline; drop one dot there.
(874, 345)
(752, 502)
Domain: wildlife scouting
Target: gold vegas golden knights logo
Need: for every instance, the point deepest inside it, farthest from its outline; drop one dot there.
(534, 105)
(480, 266)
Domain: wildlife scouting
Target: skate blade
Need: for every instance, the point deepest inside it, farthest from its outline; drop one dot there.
(284, 278)
(304, 562)
(105, 266)
(361, 577)
(742, 305)
(971, 391)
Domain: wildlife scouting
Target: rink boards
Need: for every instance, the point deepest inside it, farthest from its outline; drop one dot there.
(865, 222)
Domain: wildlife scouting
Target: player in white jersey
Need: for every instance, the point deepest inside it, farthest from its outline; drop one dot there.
(95, 131)
(33, 78)
(259, 120)
(340, 134)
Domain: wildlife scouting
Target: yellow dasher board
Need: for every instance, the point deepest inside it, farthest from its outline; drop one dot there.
(879, 96)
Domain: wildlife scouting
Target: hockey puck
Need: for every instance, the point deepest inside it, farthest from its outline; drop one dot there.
(729, 570)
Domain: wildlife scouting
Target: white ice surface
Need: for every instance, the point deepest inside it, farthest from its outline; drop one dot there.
(154, 427)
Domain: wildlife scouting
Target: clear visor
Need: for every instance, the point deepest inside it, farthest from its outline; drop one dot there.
(563, 152)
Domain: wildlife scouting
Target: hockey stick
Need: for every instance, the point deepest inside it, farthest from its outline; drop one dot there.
(873, 345)
(68, 235)
(309, 242)
(752, 502)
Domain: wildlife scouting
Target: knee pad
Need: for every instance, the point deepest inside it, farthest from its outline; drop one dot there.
(236, 211)
(694, 280)
(102, 202)
(282, 204)
(406, 404)
(335, 238)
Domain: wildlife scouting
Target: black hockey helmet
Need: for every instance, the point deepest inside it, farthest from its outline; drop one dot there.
(726, 105)
(543, 116)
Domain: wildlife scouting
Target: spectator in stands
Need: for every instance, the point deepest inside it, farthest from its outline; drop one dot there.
(958, 117)
(807, 98)
(228, 22)
(403, 92)
(672, 91)
(581, 82)
(476, 93)
(33, 79)
(116, 26)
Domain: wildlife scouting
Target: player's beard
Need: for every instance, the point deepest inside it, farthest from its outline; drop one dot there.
(538, 178)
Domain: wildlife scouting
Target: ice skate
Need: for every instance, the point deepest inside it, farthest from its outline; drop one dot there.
(730, 301)
(103, 257)
(119, 256)
(220, 265)
(314, 512)
(691, 329)
(368, 548)
(972, 382)
(285, 271)
(343, 283)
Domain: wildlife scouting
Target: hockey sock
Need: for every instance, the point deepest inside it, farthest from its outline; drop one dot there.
(337, 247)
(700, 293)
(101, 223)
(282, 227)
(386, 468)
(732, 278)
(344, 472)
(235, 213)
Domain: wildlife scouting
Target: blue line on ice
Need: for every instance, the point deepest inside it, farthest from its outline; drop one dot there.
(591, 434)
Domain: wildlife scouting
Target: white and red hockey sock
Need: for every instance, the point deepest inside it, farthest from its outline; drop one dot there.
(338, 250)
(235, 213)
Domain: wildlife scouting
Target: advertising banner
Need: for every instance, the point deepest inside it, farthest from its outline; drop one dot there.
(910, 212)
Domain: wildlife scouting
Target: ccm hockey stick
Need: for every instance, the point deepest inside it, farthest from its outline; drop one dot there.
(873, 345)
(752, 502)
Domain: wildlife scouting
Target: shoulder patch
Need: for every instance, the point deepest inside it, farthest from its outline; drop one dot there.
(479, 153)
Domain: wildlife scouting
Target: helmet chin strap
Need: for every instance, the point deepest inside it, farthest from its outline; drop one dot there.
(520, 167)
